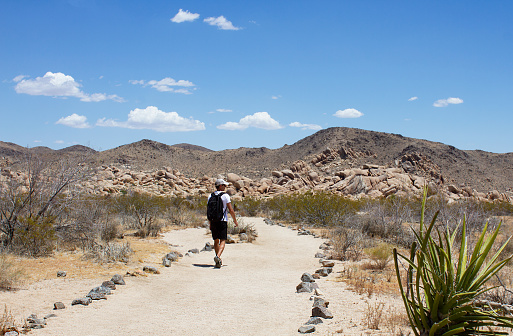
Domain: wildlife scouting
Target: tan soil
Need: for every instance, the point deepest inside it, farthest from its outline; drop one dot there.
(253, 294)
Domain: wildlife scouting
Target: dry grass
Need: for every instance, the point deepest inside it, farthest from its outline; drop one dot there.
(373, 315)
(7, 322)
(10, 273)
(77, 266)
(369, 282)
(395, 321)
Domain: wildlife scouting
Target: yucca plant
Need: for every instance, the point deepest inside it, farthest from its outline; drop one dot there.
(441, 288)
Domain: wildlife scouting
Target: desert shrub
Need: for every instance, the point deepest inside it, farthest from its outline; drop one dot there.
(395, 321)
(35, 196)
(110, 252)
(346, 242)
(444, 282)
(317, 209)
(185, 212)
(385, 218)
(10, 274)
(7, 322)
(88, 220)
(373, 315)
(34, 237)
(250, 206)
(379, 255)
(243, 227)
(143, 210)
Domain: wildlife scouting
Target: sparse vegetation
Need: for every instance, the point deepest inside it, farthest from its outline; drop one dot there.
(7, 322)
(380, 255)
(243, 227)
(110, 252)
(443, 282)
(10, 274)
(373, 314)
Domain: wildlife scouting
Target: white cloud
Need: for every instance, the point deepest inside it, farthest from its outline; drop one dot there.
(58, 85)
(413, 98)
(37, 141)
(348, 113)
(75, 121)
(276, 97)
(221, 23)
(305, 126)
(223, 110)
(59, 141)
(18, 78)
(166, 85)
(154, 119)
(258, 120)
(446, 102)
(184, 16)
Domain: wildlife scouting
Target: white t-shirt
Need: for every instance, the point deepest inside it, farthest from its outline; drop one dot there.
(226, 199)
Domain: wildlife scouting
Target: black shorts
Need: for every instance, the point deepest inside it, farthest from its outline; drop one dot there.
(219, 230)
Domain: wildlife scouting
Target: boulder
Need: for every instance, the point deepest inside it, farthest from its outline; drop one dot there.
(238, 184)
(288, 173)
(453, 189)
(328, 263)
(276, 173)
(194, 251)
(232, 178)
(173, 256)
(321, 312)
(306, 329)
(118, 279)
(320, 302)
(58, 305)
(151, 269)
(82, 301)
(315, 320)
(322, 272)
(109, 284)
(11, 333)
(61, 274)
(304, 287)
(208, 247)
(307, 277)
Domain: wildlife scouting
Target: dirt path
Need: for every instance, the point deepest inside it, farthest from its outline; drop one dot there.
(253, 294)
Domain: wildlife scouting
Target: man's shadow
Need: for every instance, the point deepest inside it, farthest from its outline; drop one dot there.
(205, 265)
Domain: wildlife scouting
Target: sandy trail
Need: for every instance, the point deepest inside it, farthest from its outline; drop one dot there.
(254, 294)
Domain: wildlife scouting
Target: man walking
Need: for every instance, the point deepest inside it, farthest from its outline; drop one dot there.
(219, 227)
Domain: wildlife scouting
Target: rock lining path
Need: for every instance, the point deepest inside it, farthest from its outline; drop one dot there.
(254, 294)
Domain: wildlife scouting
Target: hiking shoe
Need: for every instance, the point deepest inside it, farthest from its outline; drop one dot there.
(218, 262)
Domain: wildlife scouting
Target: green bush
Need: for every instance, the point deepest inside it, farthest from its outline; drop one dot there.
(380, 255)
(250, 206)
(35, 236)
(443, 282)
(317, 209)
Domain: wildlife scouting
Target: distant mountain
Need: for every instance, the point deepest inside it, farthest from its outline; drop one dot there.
(192, 147)
(481, 170)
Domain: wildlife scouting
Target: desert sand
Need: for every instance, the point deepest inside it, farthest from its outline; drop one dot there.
(254, 293)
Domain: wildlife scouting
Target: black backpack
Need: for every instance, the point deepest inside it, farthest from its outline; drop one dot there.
(215, 211)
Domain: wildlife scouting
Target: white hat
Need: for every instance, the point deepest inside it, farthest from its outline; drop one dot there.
(221, 181)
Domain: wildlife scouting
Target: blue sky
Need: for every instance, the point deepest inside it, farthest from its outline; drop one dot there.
(229, 74)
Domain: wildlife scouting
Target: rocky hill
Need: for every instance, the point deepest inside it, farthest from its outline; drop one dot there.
(326, 152)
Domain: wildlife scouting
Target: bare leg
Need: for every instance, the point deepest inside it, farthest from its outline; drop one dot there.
(220, 248)
(216, 246)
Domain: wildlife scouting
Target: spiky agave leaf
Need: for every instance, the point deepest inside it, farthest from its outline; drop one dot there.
(439, 299)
